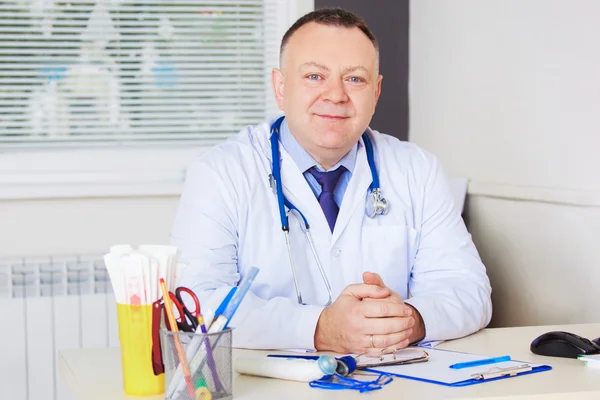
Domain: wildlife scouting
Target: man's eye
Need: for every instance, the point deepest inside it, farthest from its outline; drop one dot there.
(313, 77)
(356, 79)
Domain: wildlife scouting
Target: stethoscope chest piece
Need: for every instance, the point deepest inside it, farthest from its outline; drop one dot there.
(376, 204)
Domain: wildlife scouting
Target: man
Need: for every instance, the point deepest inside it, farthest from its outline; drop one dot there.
(408, 275)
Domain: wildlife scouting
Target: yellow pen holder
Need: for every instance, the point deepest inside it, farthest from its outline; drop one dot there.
(135, 335)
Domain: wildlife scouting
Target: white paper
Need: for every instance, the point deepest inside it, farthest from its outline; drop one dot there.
(299, 350)
(431, 345)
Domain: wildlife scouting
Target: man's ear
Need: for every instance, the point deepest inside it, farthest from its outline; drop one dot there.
(378, 88)
(278, 86)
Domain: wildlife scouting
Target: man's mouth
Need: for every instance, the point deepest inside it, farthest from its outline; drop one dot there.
(331, 117)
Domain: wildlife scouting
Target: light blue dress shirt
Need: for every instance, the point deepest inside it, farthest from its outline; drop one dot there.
(304, 161)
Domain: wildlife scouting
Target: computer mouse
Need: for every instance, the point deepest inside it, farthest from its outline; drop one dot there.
(563, 344)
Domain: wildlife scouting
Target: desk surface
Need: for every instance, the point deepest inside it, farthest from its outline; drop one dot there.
(95, 374)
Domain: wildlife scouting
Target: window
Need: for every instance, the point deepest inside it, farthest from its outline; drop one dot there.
(82, 75)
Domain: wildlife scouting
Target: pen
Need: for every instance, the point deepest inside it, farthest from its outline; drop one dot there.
(224, 303)
(178, 346)
(239, 295)
(221, 321)
(211, 360)
(477, 363)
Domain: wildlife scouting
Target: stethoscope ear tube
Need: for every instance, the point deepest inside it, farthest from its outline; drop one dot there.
(277, 172)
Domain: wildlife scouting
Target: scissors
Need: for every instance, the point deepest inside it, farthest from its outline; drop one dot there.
(187, 321)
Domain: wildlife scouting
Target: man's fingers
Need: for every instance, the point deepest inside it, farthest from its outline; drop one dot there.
(376, 351)
(375, 308)
(371, 278)
(385, 326)
(394, 340)
(361, 290)
(393, 298)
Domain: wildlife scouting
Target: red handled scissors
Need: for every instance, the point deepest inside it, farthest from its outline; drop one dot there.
(188, 321)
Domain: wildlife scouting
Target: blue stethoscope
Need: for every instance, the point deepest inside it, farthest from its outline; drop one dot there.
(375, 205)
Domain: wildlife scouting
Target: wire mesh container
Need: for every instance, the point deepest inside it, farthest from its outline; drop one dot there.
(207, 369)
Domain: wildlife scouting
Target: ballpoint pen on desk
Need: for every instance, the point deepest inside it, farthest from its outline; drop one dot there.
(496, 372)
(220, 322)
(182, 360)
(476, 363)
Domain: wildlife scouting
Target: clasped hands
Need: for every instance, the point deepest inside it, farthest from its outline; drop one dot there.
(367, 318)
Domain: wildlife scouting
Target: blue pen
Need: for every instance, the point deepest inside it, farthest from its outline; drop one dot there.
(244, 286)
(477, 363)
(225, 302)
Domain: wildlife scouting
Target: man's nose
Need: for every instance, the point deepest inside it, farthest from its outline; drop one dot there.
(335, 92)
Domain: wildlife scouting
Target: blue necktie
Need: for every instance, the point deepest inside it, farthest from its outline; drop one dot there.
(328, 181)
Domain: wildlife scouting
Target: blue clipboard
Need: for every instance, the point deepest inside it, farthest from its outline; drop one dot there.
(437, 369)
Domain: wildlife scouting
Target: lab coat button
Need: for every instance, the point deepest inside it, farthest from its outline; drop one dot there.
(336, 252)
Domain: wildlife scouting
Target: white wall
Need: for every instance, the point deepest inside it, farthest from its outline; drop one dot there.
(507, 93)
(82, 201)
(82, 225)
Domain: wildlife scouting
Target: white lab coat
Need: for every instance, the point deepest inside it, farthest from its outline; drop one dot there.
(228, 221)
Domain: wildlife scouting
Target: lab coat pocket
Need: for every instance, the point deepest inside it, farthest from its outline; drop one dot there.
(390, 251)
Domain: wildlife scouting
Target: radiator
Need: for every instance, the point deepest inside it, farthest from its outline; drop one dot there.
(49, 304)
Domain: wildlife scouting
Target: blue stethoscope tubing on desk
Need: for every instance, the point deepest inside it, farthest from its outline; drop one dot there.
(375, 205)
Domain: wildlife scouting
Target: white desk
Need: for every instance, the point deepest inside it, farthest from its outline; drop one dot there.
(95, 374)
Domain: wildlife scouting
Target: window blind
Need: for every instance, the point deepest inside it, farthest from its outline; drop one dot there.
(124, 70)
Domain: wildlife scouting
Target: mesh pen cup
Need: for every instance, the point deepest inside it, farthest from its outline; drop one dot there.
(135, 336)
(208, 360)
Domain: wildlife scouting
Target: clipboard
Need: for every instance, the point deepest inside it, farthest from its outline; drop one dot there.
(437, 369)
(408, 355)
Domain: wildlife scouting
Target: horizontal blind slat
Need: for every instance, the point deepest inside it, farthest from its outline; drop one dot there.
(183, 117)
(175, 135)
(126, 26)
(153, 111)
(244, 6)
(147, 78)
(159, 129)
(184, 50)
(246, 99)
(221, 33)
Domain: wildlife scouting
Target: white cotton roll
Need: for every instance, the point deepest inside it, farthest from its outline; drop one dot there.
(293, 369)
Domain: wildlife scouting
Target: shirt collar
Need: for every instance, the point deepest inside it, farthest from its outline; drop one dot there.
(303, 160)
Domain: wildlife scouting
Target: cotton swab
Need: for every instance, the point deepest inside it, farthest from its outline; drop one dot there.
(134, 279)
(153, 275)
(116, 277)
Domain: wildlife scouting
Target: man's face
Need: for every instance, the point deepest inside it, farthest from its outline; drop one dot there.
(328, 86)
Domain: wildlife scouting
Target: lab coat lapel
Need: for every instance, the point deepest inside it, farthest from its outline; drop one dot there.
(355, 195)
